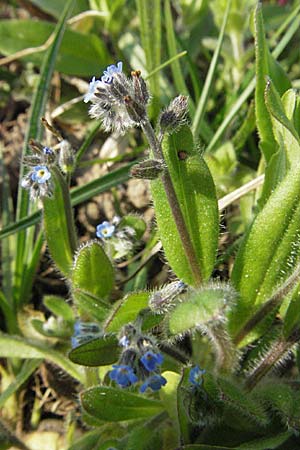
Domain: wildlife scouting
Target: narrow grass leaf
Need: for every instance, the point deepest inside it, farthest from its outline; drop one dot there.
(18, 347)
(200, 109)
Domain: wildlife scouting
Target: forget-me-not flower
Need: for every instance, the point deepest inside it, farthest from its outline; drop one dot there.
(123, 375)
(150, 360)
(105, 230)
(40, 174)
(196, 376)
(108, 74)
(92, 89)
(155, 382)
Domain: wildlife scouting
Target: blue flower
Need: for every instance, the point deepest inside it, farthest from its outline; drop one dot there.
(40, 174)
(123, 375)
(155, 382)
(150, 360)
(105, 230)
(92, 88)
(196, 375)
(48, 151)
(108, 74)
(85, 327)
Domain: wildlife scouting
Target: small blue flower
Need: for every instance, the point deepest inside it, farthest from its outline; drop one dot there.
(40, 174)
(108, 74)
(196, 375)
(48, 151)
(105, 230)
(150, 360)
(123, 375)
(92, 88)
(155, 382)
(85, 327)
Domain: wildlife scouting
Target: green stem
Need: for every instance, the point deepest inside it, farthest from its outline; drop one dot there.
(174, 204)
(275, 354)
(269, 306)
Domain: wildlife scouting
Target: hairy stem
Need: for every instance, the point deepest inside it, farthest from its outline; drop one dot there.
(279, 349)
(270, 305)
(174, 204)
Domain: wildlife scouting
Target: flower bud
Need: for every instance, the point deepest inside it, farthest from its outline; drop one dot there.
(149, 169)
(175, 114)
(66, 156)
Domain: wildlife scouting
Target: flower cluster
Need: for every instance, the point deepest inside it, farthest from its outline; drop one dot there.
(38, 179)
(116, 100)
(118, 240)
(84, 332)
(139, 361)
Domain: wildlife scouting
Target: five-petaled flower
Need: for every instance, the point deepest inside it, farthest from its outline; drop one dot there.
(150, 360)
(108, 74)
(123, 375)
(40, 174)
(105, 230)
(196, 375)
(155, 382)
(92, 89)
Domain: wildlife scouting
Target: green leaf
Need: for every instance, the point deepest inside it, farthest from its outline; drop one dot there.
(288, 153)
(17, 347)
(281, 113)
(114, 405)
(292, 316)
(205, 306)
(80, 54)
(27, 369)
(269, 251)
(59, 224)
(89, 441)
(195, 191)
(55, 7)
(92, 280)
(150, 28)
(25, 241)
(126, 310)
(98, 352)
(265, 66)
(59, 307)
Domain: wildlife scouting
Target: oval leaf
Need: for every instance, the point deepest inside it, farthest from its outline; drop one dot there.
(114, 405)
(269, 252)
(59, 224)
(195, 191)
(98, 352)
(127, 310)
(92, 276)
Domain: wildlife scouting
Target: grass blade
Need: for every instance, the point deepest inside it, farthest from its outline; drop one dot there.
(78, 195)
(24, 243)
(200, 110)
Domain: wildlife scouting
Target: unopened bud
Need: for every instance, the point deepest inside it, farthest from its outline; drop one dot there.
(164, 299)
(140, 88)
(175, 114)
(149, 169)
(66, 156)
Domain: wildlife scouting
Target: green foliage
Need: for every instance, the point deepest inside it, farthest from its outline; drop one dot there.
(184, 374)
(58, 224)
(196, 192)
(97, 352)
(112, 405)
(80, 54)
